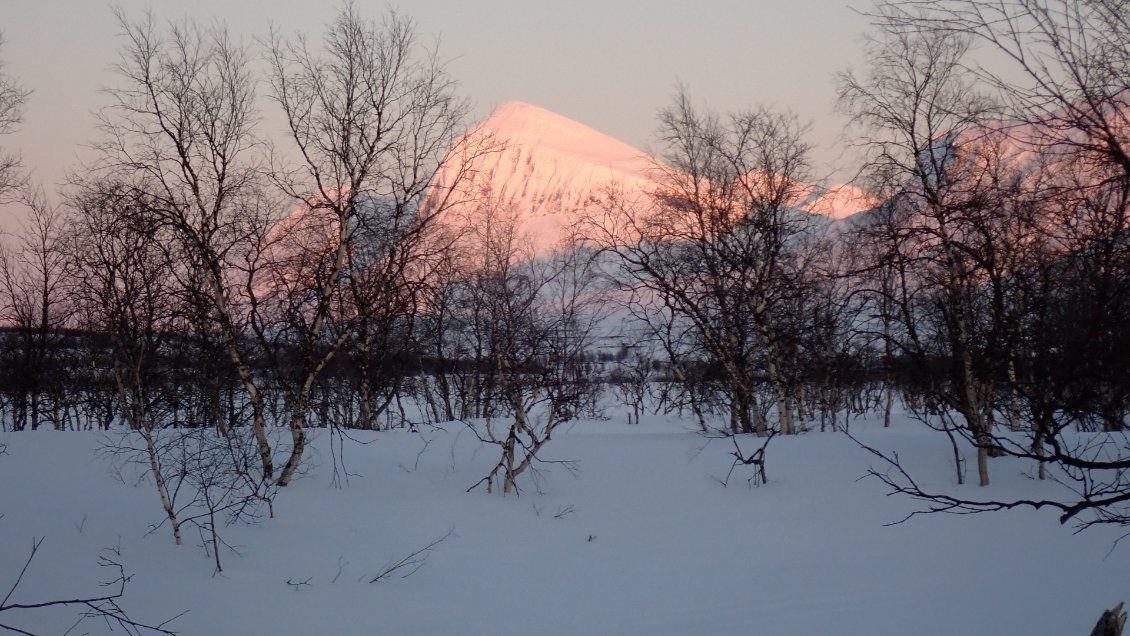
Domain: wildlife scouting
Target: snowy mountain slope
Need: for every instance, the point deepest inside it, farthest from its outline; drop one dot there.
(839, 201)
(1066, 153)
(543, 169)
(551, 169)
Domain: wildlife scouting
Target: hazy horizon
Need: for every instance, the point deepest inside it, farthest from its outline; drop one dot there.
(611, 67)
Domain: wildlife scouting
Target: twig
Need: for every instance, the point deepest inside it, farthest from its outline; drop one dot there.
(411, 562)
(298, 584)
(104, 606)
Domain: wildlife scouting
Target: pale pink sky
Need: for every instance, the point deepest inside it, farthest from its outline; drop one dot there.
(611, 65)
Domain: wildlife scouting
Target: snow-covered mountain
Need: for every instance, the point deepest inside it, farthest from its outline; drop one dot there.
(547, 169)
(539, 168)
(549, 161)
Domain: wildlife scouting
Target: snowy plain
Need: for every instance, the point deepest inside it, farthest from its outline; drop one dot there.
(643, 539)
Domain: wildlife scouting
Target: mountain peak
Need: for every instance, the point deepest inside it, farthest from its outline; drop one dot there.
(518, 108)
(521, 123)
(518, 116)
(549, 169)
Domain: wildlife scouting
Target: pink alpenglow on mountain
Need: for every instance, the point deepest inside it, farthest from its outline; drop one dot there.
(543, 171)
(839, 201)
(547, 171)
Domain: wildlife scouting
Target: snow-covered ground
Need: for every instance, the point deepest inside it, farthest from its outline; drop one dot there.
(642, 540)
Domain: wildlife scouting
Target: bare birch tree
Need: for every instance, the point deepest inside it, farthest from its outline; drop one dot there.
(718, 248)
(913, 105)
(34, 288)
(124, 274)
(372, 116)
(179, 131)
(528, 319)
(13, 97)
(1059, 70)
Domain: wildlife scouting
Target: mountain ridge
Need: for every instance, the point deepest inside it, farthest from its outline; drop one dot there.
(548, 168)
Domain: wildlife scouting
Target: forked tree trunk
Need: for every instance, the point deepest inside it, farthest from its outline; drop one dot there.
(246, 376)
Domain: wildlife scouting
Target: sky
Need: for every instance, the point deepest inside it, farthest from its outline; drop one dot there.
(609, 64)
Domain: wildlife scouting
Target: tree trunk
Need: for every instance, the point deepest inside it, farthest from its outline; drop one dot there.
(957, 461)
(784, 406)
(1014, 397)
(739, 410)
(1038, 446)
(888, 402)
(1111, 622)
(983, 464)
(298, 439)
(974, 412)
(159, 480)
(368, 419)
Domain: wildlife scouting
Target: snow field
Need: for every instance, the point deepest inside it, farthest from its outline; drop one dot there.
(643, 540)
